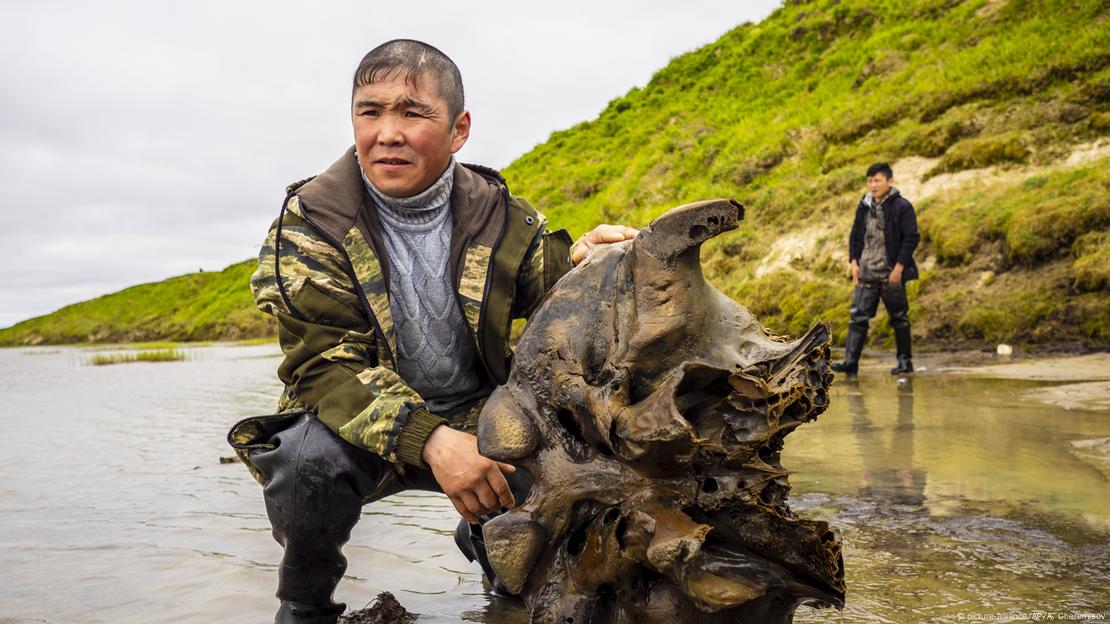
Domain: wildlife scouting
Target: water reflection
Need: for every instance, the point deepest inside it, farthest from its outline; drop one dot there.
(499, 611)
(886, 470)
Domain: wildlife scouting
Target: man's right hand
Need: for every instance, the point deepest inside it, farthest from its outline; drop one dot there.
(855, 272)
(475, 484)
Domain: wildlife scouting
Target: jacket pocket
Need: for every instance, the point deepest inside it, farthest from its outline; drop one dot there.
(254, 433)
(313, 302)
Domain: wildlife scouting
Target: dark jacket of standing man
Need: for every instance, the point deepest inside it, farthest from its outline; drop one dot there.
(880, 252)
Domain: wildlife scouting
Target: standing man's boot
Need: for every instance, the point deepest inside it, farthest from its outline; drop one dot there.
(853, 347)
(905, 360)
(865, 302)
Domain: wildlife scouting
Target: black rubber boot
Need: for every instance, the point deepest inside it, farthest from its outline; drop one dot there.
(314, 494)
(902, 339)
(468, 537)
(853, 347)
(905, 365)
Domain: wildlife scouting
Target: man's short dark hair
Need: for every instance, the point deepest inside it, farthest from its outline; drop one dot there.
(413, 60)
(882, 168)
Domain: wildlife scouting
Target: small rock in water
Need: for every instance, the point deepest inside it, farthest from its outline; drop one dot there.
(385, 610)
(229, 460)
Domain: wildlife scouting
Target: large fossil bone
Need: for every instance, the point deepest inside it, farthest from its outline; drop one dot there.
(650, 410)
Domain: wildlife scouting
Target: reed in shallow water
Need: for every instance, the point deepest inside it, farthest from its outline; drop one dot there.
(127, 357)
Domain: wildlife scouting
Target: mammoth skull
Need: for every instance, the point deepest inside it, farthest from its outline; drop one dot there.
(649, 410)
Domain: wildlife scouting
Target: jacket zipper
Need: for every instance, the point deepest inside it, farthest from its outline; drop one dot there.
(493, 267)
(473, 334)
(477, 335)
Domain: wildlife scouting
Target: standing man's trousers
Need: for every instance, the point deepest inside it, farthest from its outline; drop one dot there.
(865, 303)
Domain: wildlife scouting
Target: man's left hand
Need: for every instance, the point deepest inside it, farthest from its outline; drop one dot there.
(895, 275)
(604, 234)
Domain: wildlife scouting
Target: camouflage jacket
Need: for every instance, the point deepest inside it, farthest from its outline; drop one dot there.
(321, 274)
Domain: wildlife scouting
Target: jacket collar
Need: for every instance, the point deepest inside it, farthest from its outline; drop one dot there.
(868, 200)
(334, 198)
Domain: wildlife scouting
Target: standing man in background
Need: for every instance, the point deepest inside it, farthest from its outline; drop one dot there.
(880, 251)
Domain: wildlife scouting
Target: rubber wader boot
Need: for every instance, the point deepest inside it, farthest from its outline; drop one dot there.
(290, 611)
(316, 484)
(853, 347)
(468, 537)
(905, 361)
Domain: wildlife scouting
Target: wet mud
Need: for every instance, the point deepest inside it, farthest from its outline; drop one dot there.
(385, 610)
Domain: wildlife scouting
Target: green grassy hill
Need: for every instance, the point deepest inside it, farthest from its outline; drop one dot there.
(197, 306)
(994, 113)
(979, 105)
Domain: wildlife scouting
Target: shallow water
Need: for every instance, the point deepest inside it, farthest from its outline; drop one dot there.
(956, 500)
(955, 497)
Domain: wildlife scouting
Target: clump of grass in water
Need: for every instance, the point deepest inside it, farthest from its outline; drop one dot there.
(146, 346)
(153, 355)
(166, 345)
(250, 342)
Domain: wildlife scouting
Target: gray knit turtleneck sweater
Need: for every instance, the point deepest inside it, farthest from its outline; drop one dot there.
(435, 353)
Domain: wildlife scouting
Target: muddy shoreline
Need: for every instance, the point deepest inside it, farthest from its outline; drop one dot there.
(1063, 365)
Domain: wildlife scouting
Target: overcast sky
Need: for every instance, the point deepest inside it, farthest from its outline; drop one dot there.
(141, 140)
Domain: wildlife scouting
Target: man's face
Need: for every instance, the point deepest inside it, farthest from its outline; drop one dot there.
(404, 135)
(878, 184)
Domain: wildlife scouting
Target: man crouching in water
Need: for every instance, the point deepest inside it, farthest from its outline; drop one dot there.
(394, 277)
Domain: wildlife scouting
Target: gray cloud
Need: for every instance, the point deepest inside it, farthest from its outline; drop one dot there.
(140, 140)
